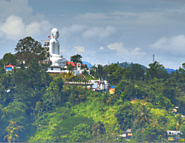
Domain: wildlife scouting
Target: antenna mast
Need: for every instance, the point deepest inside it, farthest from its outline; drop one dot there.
(153, 57)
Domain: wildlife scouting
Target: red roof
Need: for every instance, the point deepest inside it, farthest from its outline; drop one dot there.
(71, 63)
(9, 66)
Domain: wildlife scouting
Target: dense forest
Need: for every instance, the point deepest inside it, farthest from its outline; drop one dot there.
(38, 107)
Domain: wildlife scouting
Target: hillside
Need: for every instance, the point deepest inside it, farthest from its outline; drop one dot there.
(38, 107)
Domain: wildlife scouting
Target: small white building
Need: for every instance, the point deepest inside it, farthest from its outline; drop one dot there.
(99, 84)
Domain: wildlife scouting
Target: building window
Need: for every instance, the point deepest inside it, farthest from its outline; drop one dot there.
(51, 68)
(170, 133)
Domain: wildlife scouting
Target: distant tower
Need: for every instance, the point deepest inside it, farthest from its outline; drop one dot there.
(153, 57)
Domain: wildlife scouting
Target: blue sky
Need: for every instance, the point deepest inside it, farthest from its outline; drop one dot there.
(102, 31)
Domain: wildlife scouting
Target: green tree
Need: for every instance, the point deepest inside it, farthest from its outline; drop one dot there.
(137, 73)
(130, 92)
(9, 58)
(153, 133)
(179, 121)
(31, 84)
(70, 128)
(143, 117)
(6, 89)
(28, 49)
(70, 67)
(2, 64)
(125, 116)
(97, 130)
(100, 72)
(80, 133)
(53, 96)
(15, 111)
(111, 68)
(76, 58)
(13, 130)
(156, 70)
(182, 129)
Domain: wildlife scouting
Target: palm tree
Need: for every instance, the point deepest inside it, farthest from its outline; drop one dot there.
(179, 121)
(144, 116)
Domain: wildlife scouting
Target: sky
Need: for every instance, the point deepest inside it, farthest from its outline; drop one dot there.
(101, 31)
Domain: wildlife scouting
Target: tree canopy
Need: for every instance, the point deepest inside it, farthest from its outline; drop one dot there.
(9, 58)
(76, 58)
(28, 49)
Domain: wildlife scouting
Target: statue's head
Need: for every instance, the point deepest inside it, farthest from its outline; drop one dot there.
(54, 33)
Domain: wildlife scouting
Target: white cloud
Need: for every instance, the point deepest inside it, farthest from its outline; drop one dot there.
(156, 16)
(19, 8)
(101, 32)
(77, 28)
(101, 48)
(15, 28)
(79, 49)
(92, 16)
(87, 31)
(174, 45)
(125, 52)
(2, 35)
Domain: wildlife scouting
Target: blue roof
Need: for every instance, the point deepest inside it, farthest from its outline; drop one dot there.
(112, 86)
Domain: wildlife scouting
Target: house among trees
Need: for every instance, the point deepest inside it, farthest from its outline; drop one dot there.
(126, 134)
(173, 135)
(112, 89)
(9, 68)
(123, 134)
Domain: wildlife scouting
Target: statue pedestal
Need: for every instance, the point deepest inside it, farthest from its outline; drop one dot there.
(55, 59)
(56, 65)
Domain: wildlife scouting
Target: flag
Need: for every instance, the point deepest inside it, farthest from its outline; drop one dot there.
(48, 36)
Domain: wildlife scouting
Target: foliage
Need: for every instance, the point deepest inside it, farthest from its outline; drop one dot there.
(68, 128)
(88, 77)
(97, 129)
(15, 111)
(28, 49)
(76, 58)
(69, 76)
(80, 133)
(12, 130)
(70, 67)
(99, 112)
(49, 111)
(9, 58)
(143, 117)
(125, 116)
(53, 96)
(156, 71)
(137, 73)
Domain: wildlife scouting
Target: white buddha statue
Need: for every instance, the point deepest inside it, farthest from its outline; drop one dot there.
(54, 48)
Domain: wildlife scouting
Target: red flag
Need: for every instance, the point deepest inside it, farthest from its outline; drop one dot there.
(48, 36)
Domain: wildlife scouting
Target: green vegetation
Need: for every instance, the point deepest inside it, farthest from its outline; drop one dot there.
(38, 107)
(88, 77)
